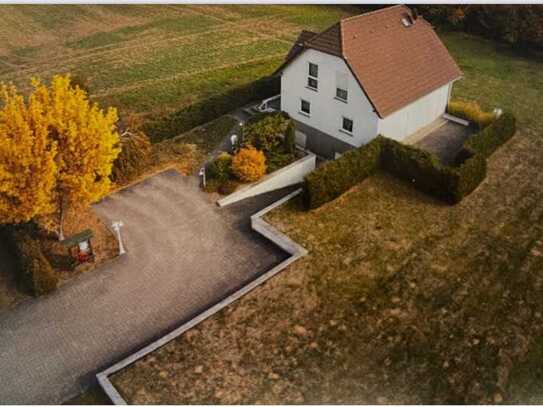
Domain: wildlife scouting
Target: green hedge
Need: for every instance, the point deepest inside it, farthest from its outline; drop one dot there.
(416, 166)
(35, 273)
(209, 109)
(335, 177)
(289, 141)
(469, 175)
(427, 174)
(419, 167)
(493, 136)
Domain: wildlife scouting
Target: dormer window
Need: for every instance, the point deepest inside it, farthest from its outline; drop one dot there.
(312, 79)
(407, 21)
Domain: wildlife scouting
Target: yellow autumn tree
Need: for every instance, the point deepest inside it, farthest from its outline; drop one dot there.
(87, 143)
(27, 158)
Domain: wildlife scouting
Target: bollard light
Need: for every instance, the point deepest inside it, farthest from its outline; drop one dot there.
(202, 174)
(234, 142)
(117, 228)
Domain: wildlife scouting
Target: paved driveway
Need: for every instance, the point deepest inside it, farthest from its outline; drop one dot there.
(446, 141)
(184, 254)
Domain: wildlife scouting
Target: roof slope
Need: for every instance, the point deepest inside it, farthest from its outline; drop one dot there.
(394, 64)
(299, 44)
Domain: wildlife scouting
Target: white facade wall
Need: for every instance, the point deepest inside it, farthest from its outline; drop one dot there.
(406, 121)
(326, 111)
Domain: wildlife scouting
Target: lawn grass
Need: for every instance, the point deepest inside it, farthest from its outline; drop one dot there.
(402, 299)
(153, 59)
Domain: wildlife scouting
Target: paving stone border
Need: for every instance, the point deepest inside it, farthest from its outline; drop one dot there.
(259, 225)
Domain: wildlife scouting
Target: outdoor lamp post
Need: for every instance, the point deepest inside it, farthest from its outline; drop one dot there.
(117, 228)
(202, 175)
(234, 142)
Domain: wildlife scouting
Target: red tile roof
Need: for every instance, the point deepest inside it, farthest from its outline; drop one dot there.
(394, 64)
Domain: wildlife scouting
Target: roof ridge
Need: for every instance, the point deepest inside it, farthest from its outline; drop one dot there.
(372, 12)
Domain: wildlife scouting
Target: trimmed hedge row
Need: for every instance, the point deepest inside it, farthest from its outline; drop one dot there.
(428, 175)
(335, 177)
(209, 109)
(35, 273)
(419, 167)
(489, 139)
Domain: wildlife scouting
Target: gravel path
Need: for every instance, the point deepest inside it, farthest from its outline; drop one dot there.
(184, 254)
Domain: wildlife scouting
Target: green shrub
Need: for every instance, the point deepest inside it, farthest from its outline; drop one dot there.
(489, 139)
(134, 158)
(469, 175)
(289, 142)
(35, 273)
(418, 167)
(266, 133)
(427, 174)
(335, 177)
(202, 112)
(277, 160)
(220, 168)
(227, 187)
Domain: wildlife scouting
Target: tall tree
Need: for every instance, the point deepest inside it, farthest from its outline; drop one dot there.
(56, 151)
(27, 158)
(87, 141)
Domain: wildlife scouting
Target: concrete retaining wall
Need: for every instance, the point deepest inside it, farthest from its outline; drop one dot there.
(259, 225)
(290, 175)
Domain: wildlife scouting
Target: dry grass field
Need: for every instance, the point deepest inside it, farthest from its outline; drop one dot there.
(152, 59)
(402, 299)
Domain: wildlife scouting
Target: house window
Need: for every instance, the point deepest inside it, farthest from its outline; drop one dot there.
(341, 94)
(305, 107)
(342, 82)
(312, 81)
(347, 125)
(313, 70)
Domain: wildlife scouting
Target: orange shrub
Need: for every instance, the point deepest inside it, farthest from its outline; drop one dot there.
(249, 164)
(471, 111)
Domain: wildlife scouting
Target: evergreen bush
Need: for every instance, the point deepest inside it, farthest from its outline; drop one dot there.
(420, 168)
(220, 168)
(34, 272)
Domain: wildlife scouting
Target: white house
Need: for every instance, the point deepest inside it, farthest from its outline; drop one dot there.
(384, 72)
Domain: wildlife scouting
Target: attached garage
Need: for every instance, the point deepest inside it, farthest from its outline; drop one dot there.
(416, 115)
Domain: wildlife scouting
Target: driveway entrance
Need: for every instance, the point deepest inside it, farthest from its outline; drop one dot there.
(184, 254)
